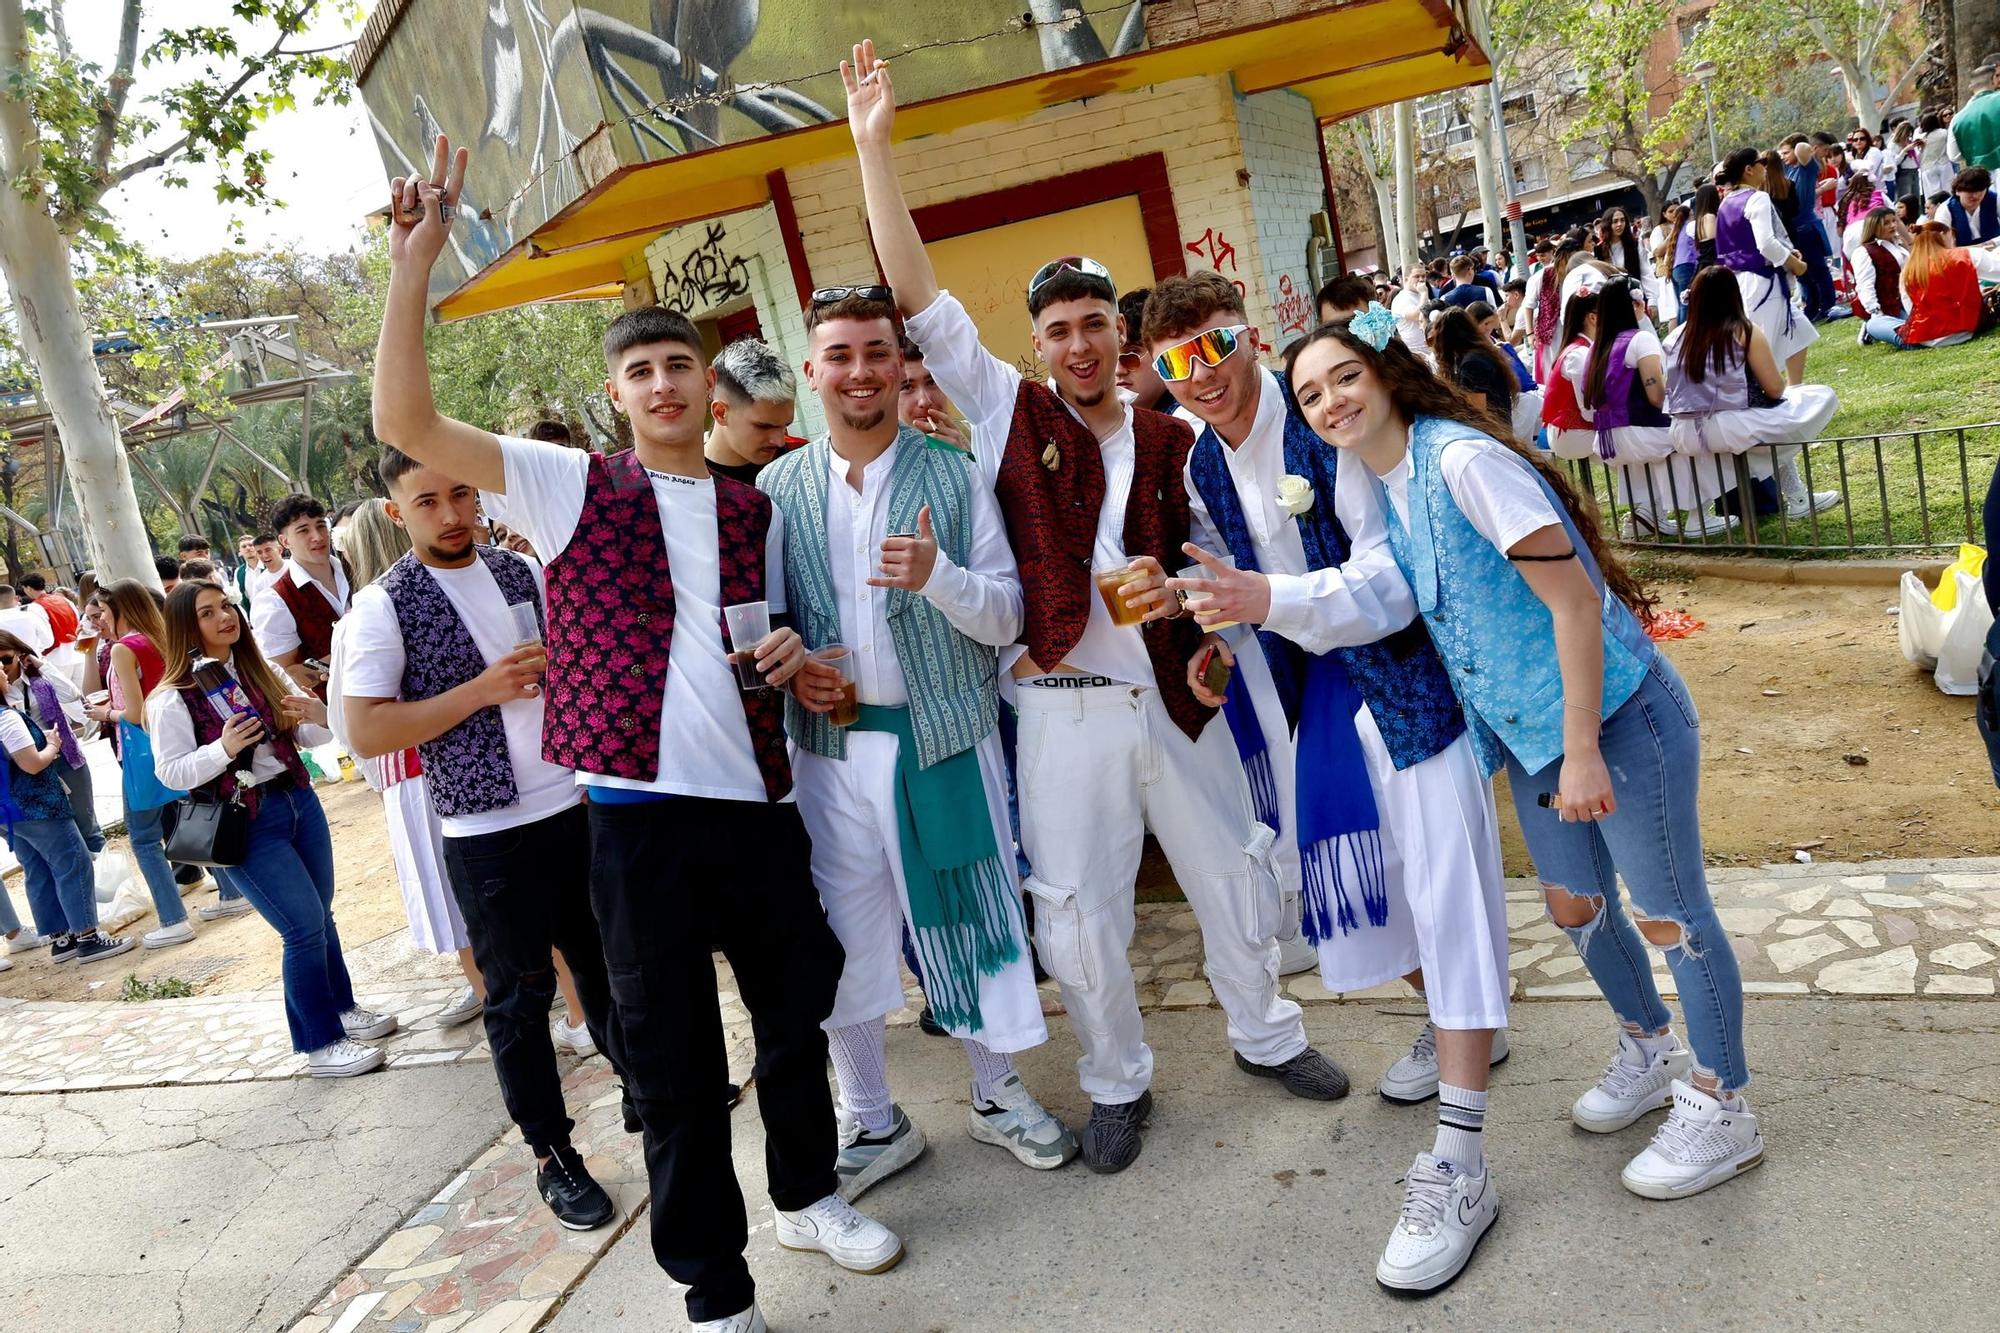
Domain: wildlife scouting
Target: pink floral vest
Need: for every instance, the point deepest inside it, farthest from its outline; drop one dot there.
(611, 625)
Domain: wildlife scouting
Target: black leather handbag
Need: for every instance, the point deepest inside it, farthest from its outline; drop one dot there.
(209, 831)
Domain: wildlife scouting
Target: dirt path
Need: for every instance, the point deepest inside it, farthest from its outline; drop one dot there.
(1789, 681)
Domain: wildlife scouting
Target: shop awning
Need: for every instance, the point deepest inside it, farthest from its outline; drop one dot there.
(1345, 59)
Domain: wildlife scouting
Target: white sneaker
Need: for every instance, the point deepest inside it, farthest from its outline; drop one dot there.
(857, 1243)
(1631, 1087)
(746, 1321)
(866, 1160)
(366, 1024)
(343, 1059)
(27, 940)
(1445, 1214)
(464, 1007)
(1296, 954)
(576, 1040)
(1801, 506)
(6, 963)
(1414, 1078)
(1698, 523)
(1014, 1120)
(178, 933)
(1700, 1146)
(223, 907)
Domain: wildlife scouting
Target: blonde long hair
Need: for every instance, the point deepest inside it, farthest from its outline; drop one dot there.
(135, 609)
(184, 644)
(371, 541)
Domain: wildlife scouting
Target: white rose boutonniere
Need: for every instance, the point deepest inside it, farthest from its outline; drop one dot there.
(1295, 494)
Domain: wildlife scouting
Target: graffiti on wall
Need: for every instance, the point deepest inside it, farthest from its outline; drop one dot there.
(1215, 251)
(1291, 306)
(659, 78)
(707, 276)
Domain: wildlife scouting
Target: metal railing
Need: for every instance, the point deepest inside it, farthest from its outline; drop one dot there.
(1903, 492)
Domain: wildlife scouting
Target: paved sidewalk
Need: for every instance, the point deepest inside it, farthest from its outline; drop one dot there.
(454, 1241)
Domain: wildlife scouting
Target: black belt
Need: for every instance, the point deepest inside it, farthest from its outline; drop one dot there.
(1069, 680)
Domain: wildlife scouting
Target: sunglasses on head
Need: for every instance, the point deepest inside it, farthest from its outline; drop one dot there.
(1083, 264)
(872, 292)
(1211, 349)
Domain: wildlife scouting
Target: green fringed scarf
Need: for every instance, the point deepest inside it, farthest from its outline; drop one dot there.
(964, 915)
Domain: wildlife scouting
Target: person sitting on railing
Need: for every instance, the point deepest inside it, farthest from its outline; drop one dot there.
(1941, 291)
(1620, 385)
(1727, 395)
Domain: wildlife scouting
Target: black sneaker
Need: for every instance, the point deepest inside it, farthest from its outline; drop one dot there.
(1308, 1074)
(578, 1202)
(95, 946)
(62, 949)
(927, 1022)
(1110, 1142)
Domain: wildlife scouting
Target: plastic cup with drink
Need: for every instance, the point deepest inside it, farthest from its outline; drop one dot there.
(748, 624)
(528, 631)
(847, 710)
(1111, 586)
(1195, 601)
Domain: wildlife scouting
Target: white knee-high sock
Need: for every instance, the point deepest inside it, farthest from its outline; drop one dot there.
(861, 1066)
(988, 1067)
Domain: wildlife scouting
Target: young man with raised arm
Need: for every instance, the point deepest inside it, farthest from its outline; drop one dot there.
(1112, 741)
(433, 659)
(896, 563)
(693, 842)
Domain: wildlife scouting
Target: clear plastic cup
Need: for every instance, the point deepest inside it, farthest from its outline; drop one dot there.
(749, 624)
(1194, 601)
(841, 658)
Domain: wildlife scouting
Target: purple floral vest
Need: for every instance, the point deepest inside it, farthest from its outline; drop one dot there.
(470, 769)
(208, 727)
(611, 625)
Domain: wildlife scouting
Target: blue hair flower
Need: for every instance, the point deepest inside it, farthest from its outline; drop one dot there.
(1374, 326)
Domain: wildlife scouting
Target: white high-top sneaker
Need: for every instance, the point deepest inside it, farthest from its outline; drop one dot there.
(1701, 1145)
(1632, 1086)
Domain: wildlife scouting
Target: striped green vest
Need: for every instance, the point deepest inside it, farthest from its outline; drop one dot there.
(951, 678)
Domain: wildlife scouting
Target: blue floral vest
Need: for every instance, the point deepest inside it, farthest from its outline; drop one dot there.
(1400, 678)
(1496, 636)
(468, 768)
(952, 679)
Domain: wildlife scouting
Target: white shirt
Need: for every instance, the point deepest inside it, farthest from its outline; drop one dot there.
(1766, 230)
(180, 763)
(1318, 609)
(277, 631)
(1869, 164)
(14, 734)
(30, 624)
(1408, 308)
(256, 579)
(985, 387)
(1494, 487)
(982, 600)
(704, 736)
(368, 662)
(68, 698)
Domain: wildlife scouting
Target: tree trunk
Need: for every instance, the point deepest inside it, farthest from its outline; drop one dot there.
(35, 259)
(1491, 221)
(1975, 34)
(1406, 185)
(1385, 223)
(1938, 84)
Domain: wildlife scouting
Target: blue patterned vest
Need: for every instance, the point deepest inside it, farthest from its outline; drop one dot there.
(34, 795)
(1400, 677)
(951, 677)
(469, 769)
(1496, 636)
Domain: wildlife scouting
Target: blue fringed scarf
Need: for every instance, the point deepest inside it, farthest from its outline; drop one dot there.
(1338, 828)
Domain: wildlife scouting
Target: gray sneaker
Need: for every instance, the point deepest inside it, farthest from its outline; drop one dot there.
(224, 907)
(866, 1160)
(1014, 1120)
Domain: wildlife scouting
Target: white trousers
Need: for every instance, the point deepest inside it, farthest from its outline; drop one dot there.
(1097, 768)
(849, 808)
(416, 843)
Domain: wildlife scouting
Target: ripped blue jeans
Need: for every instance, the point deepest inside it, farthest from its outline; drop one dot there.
(1652, 747)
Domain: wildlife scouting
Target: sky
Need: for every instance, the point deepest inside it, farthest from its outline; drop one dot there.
(325, 169)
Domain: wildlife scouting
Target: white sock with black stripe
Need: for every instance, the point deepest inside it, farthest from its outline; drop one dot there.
(1461, 1136)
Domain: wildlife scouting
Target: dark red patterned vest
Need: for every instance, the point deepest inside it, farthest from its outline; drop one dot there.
(611, 625)
(208, 729)
(314, 616)
(1051, 518)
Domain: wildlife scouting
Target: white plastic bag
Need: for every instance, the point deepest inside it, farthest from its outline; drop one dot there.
(1946, 643)
(114, 869)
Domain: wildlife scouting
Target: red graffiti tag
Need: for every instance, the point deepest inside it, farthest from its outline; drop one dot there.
(1292, 307)
(1215, 248)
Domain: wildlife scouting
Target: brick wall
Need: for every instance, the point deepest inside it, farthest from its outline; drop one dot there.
(1193, 122)
(1281, 146)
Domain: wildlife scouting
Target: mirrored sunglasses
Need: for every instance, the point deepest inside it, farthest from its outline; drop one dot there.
(1083, 264)
(1211, 349)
